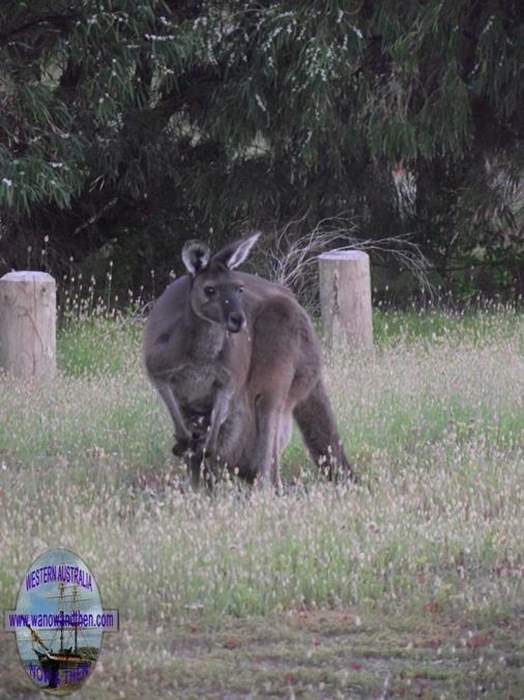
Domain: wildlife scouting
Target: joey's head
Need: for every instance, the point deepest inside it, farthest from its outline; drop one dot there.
(216, 292)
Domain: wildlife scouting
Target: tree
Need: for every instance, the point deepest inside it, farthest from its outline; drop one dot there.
(128, 126)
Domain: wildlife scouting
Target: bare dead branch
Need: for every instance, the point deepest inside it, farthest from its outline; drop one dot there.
(291, 259)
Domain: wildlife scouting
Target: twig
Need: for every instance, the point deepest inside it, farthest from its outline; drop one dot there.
(96, 216)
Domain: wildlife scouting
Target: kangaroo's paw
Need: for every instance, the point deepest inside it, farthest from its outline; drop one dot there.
(180, 447)
(194, 445)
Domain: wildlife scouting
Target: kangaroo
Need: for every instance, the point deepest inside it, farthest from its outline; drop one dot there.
(235, 358)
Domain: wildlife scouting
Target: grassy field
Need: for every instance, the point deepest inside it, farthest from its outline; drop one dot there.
(410, 585)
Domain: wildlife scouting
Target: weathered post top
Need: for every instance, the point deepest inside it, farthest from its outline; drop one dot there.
(344, 255)
(345, 298)
(28, 324)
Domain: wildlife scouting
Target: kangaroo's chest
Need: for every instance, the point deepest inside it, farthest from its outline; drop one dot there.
(195, 385)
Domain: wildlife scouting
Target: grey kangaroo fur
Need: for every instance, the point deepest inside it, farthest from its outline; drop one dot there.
(235, 358)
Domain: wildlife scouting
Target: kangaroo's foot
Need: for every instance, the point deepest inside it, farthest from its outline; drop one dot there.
(268, 479)
(341, 471)
(200, 470)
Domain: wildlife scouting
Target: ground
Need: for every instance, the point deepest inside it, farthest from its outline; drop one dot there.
(305, 654)
(410, 584)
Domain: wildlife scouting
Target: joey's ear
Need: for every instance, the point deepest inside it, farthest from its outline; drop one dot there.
(236, 253)
(195, 255)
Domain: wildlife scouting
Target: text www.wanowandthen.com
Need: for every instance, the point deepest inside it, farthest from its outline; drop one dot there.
(105, 620)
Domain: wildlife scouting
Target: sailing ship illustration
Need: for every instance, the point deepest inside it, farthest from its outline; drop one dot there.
(67, 666)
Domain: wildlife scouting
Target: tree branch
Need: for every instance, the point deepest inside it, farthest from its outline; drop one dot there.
(46, 19)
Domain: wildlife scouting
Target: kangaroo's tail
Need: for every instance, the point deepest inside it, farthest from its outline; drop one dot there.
(317, 424)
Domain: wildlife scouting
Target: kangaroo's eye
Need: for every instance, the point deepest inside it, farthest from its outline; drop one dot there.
(240, 290)
(209, 291)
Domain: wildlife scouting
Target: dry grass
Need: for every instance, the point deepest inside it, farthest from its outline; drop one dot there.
(434, 425)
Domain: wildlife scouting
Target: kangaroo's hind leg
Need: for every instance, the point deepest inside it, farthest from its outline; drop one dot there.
(272, 424)
(274, 368)
(218, 417)
(268, 411)
(280, 442)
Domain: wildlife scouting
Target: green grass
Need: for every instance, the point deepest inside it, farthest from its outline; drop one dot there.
(433, 421)
(436, 325)
(96, 345)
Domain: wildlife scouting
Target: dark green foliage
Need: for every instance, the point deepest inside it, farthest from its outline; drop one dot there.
(128, 126)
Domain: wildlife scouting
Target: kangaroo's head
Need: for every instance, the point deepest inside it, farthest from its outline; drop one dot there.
(216, 292)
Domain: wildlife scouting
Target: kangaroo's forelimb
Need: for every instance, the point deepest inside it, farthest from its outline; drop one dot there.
(183, 435)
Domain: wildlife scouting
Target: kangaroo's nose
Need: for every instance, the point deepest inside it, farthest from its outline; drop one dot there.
(235, 321)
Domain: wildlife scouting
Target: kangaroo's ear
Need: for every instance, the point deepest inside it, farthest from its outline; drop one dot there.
(196, 256)
(234, 254)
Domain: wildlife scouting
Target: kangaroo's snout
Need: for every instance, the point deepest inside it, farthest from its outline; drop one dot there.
(235, 321)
